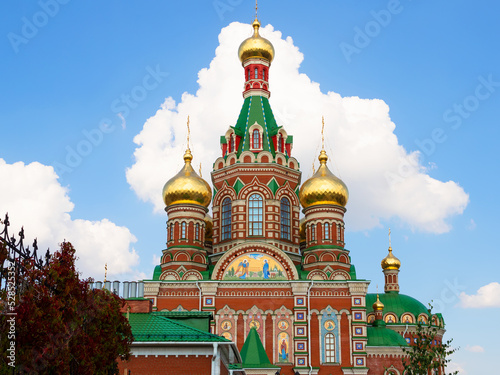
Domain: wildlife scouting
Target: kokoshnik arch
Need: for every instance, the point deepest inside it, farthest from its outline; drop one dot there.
(282, 289)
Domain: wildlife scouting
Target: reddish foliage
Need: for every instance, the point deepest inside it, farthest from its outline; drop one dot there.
(62, 326)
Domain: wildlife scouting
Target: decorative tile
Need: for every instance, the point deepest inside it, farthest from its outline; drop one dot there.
(360, 361)
(358, 331)
(357, 301)
(300, 316)
(358, 316)
(359, 346)
(300, 331)
(301, 361)
(300, 301)
(301, 346)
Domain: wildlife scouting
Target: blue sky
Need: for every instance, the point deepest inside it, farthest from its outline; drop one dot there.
(67, 70)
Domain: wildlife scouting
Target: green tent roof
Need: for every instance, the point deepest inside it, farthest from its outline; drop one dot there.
(157, 327)
(253, 354)
(380, 335)
(396, 303)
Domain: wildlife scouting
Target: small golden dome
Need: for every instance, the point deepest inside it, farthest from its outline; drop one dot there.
(377, 305)
(187, 187)
(302, 229)
(390, 262)
(209, 225)
(256, 46)
(323, 187)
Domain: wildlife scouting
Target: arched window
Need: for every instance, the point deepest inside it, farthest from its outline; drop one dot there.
(313, 232)
(264, 74)
(280, 143)
(329, 348)
(255, 215)
(226, 219)
(248, 74)
(256, 73)
(285, 219)
(338, 233)
(197, 231)
(327, 231)
(183, 230)
(231, 143)
(256, 139)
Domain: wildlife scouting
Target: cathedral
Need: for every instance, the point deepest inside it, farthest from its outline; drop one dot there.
(275, 288)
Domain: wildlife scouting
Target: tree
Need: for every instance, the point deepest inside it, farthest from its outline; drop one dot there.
(427, 355)
(62, 326)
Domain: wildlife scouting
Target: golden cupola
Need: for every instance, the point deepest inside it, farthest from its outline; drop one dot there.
(377, 305)
(323, 187)
(256, 46)
(390, 262)
(186, 187)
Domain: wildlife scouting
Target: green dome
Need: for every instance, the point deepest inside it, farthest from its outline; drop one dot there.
(380, 335)
(397, 303)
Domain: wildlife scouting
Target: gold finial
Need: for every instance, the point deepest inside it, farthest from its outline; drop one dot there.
(200, 170)
(256, 8)
(322, 133)
(105, 271)
(389, 238)
(314, 170)
(188, 132)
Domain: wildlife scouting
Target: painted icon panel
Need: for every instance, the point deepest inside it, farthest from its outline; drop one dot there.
(254, 266)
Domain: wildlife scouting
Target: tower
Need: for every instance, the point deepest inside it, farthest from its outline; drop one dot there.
(390, 266)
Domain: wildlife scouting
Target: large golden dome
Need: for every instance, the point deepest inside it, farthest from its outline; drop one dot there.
(323, 187)
(256, 46)
(390, 262)
(187, 187)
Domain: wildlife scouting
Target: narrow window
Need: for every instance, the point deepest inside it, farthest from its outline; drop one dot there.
(226, 219)
(264, 74)
(329, 348)
(183, 230)
(280, 143)
(285, 219)
(231, 143)
(171, 231)
(256, 73)
(197, 231)
(248, 74)
(338, 233)
(256, 136)
(327, 231)
(313, 232)
(255, 215)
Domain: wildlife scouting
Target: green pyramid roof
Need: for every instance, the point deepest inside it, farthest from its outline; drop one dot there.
(256, 109)
(157, 327)
(253, 354)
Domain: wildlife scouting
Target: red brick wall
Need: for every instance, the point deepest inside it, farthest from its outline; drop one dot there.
(378, 364)
(171, 365)
(137, 306)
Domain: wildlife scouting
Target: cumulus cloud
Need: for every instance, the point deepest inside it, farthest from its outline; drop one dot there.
(474, 349)
(454, 366)
(385, 180)
(34, 198)
(486, 296)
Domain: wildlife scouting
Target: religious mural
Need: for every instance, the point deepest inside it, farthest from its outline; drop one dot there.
(254, 266)
(283, 347)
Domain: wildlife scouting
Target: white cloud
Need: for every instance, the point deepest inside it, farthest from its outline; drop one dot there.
(486, 296)
(33, 197)
(385, 180)
(454, 366)
(474, 349)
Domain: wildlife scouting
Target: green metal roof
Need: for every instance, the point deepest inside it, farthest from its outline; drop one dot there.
(256, 109)
(157, 327)
(396, 303)
(253, 354)
(380, 335)
(157, 273)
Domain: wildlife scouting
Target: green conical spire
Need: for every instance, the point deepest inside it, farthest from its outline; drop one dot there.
(253, 354)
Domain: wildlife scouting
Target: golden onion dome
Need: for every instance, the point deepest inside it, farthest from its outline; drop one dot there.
(209, 225)
(390, 262)
(377, 305)
(256, 46)
(187, 187)
(323, 187)
(302, 229)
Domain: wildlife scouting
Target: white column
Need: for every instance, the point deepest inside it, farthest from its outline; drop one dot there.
(235, 329)
(245, 317)
(217, 324)
(320, 319)
(263, 330)
(350, 335)
(339, 320)
(274, 339)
